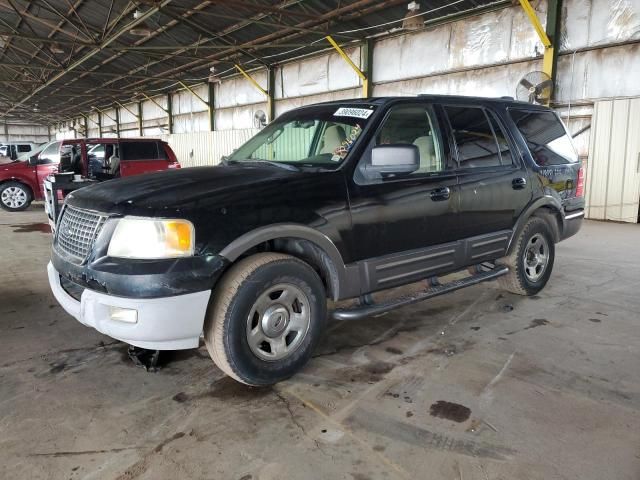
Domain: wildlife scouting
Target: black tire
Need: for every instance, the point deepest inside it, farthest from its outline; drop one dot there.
(521, 279)
(230, 318)
(15, 196)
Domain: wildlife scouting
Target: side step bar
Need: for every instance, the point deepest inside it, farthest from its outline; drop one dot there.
(361, 311)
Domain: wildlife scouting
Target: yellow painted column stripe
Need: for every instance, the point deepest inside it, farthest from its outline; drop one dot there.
(533, 18)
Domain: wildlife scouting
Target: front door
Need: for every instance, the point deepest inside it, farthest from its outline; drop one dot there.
(396, 214)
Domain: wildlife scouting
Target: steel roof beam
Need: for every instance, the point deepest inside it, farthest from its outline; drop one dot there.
(92, 52)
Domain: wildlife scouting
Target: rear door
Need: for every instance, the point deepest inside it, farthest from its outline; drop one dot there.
(138, 157)
(493, 180)
(554, 158)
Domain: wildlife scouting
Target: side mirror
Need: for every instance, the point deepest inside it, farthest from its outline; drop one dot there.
(394, 159)
(33, 160)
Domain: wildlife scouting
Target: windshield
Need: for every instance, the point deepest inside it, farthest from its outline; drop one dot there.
(319, 136)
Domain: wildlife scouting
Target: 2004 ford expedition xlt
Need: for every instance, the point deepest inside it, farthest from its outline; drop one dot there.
(331, 201)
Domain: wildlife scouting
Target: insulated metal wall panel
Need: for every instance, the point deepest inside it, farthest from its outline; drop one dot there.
(613, 173)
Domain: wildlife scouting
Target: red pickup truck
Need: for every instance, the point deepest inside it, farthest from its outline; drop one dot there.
(21, 182)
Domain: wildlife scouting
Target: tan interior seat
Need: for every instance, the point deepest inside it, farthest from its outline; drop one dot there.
(428, 158)
(332, 139)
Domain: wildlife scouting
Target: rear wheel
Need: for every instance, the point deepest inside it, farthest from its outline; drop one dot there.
(14, 196)
(265, 319)
(531, 261)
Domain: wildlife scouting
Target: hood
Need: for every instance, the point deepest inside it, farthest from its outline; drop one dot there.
(162, 193)
(13, 165)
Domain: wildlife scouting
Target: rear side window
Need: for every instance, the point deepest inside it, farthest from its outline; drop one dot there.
(141, 151)
(24, 148)
(474, 137)
(546, 137)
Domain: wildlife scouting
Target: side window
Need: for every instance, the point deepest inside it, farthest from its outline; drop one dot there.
(162, 154)
(408, 125)
(546, 137)
(504, 146)
(139, 151)
(50, 154)
(24, 148)
(476, 143)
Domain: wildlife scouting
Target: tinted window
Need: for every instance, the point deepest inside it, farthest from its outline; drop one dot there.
(51, 154)
(474, 138)
(139, 150)
(24, 148)
(546, 137)
(503, 142)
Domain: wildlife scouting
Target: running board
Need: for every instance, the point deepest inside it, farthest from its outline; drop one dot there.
(373, 310)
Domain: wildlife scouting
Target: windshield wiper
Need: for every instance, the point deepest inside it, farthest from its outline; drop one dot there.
(286, 166)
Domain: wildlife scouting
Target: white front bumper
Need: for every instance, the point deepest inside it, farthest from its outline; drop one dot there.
(168, 323)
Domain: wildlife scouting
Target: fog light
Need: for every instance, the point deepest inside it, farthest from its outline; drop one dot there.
(126, 315)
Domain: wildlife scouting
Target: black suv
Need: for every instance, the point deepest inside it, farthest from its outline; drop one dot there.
(337, 201)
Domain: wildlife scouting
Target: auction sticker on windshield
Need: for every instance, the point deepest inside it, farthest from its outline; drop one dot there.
(353, 112)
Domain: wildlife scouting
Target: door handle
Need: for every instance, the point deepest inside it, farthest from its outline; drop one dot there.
(519, 183)
(440, 194)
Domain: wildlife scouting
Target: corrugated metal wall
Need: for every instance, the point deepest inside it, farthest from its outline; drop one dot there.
(613, 168)
(206, 148)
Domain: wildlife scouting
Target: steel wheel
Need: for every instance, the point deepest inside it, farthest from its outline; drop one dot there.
(14, 197)
(278, 322)
(536, 257)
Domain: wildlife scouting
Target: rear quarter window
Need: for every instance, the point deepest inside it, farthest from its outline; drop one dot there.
(546, 137)
(141, 151)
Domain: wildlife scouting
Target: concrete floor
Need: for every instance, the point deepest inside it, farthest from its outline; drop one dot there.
(546, 387)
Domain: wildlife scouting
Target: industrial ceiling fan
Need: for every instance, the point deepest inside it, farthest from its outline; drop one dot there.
(535, 87)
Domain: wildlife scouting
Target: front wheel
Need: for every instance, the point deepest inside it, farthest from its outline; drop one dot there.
(14, 196)
(266, 317)
(531, 261)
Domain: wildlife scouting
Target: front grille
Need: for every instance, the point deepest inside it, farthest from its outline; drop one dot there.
(76, 232)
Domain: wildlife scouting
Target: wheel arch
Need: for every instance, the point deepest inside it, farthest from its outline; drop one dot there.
(549, 209)
(21, 182)
(305, 243)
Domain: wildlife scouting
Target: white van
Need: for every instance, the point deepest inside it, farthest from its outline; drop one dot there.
(14, 150)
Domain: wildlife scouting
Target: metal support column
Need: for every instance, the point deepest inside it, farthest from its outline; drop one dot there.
(86, 126)
(117, 109)
(100, 124)
(360, 73)
(367, 68)
(542, 34)
(140, 124)
(271, 93)
(170, 112)
(212, 111)
(554, 19)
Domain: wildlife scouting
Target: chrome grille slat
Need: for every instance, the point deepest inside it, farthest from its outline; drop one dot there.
(76, 232)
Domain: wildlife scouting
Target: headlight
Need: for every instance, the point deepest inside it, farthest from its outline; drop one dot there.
(148, 238)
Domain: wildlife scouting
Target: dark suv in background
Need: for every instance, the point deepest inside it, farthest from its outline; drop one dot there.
(338, 201)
